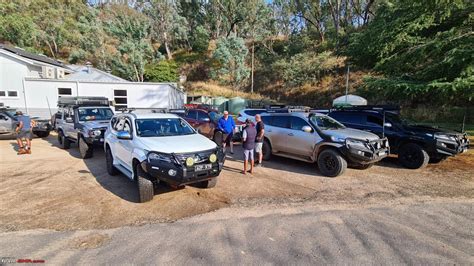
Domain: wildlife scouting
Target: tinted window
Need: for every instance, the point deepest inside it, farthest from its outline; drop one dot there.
(12, 94)
(281, 121)
(191, 114)
(202, 115)
(374, 121)
(297, 123)
(2, 93)
(352, 118)
(64, 91)
(325, 122)
(267, 120)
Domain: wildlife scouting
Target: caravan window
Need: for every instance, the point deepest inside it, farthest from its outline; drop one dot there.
(2, 94)
(64, 91)
(12, 94)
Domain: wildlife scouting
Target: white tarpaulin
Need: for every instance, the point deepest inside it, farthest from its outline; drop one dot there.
(349, 100)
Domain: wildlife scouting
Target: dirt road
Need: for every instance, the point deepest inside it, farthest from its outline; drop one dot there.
(55, 189)
(413, 234)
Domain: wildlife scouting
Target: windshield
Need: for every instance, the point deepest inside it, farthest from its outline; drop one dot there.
(163, 127)
(324, 122)
(91, 114)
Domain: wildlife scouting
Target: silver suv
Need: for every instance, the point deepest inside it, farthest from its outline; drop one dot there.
(83, 120)
(314, 137)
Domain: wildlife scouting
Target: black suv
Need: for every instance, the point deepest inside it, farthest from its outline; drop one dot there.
(416, 145)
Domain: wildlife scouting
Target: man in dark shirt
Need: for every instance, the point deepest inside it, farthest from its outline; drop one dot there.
(259, 139)
(249, 135)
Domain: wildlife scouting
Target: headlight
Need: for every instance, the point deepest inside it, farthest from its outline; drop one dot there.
(159, 157)
(445, 137)
(337, 139)
(94, 133)
(213, 158)
(189, 161)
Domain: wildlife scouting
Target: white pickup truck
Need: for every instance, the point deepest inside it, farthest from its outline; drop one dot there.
(154, 147)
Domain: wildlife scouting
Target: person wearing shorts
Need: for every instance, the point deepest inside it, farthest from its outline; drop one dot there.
(260, 127)
(23, 131)
(248, 143)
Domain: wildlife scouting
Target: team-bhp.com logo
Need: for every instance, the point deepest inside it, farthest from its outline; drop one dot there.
(11, 260)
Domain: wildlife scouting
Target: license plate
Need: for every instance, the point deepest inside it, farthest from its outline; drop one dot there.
(202, 167)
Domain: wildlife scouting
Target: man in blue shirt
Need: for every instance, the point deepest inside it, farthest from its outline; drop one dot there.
(23, 130)
(226, 125)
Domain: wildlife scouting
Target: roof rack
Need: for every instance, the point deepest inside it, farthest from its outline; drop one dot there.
(82, 101)
(150, 109)
(377, 108)
(286, 109)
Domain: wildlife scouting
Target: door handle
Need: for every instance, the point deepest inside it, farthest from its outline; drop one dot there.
(290, 134)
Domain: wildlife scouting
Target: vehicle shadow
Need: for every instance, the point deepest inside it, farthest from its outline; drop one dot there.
(119, 185)
(276, 163)
(390, 162)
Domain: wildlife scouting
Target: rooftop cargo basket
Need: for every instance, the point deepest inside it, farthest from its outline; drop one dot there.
(286, 109)
(376, 108)
(82, 101)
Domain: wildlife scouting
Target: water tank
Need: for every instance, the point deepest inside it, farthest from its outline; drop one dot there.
(236, 104)
(220, 103)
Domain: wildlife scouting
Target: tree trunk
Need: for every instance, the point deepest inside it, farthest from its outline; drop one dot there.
(168, 51)
(253, 66)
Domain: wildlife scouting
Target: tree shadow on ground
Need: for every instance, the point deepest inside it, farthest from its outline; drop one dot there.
(119, 185)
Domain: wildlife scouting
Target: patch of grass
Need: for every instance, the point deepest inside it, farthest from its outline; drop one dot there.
(215, 90)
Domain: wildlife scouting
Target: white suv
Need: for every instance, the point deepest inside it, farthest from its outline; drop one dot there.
(250, 114)
(154, 147)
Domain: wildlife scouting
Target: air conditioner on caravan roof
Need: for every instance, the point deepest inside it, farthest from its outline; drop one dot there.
(47, 72)
(59, 73)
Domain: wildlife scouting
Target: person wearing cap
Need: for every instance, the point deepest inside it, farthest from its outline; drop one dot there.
(226, 125)
(249, 135)
(23, 130)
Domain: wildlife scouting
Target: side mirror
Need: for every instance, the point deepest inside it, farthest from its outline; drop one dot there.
(3, 117)
(124, 135)
(69, 120)
(387, 124)
(307, 129)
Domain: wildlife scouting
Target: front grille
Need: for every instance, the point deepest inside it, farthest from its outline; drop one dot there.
(199, 157)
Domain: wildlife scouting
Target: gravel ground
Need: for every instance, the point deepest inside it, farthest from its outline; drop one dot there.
(55, 189)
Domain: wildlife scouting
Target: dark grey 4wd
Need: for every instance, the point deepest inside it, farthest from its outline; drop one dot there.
(416, 145)
(82, 120)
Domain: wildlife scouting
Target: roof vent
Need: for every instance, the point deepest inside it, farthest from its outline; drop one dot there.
(89, 67)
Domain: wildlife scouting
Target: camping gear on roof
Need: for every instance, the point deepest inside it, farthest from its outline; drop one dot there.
(349, 100)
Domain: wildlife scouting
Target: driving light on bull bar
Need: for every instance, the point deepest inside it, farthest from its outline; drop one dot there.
(189, 161)
(172, 172)
(213, 158)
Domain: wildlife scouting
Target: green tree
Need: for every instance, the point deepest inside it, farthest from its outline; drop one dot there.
(229, 58)
(162, 71)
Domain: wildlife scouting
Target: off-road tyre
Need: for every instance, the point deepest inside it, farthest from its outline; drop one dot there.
(413, 156)
(331, 163)
(60, 137)
(86, 151)
(437, 159)
(208, 183)
(266, 150)
(362, 166)
(41, 134)
(109, 160)
(65, 142)
(218, 138)
(144, 184)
